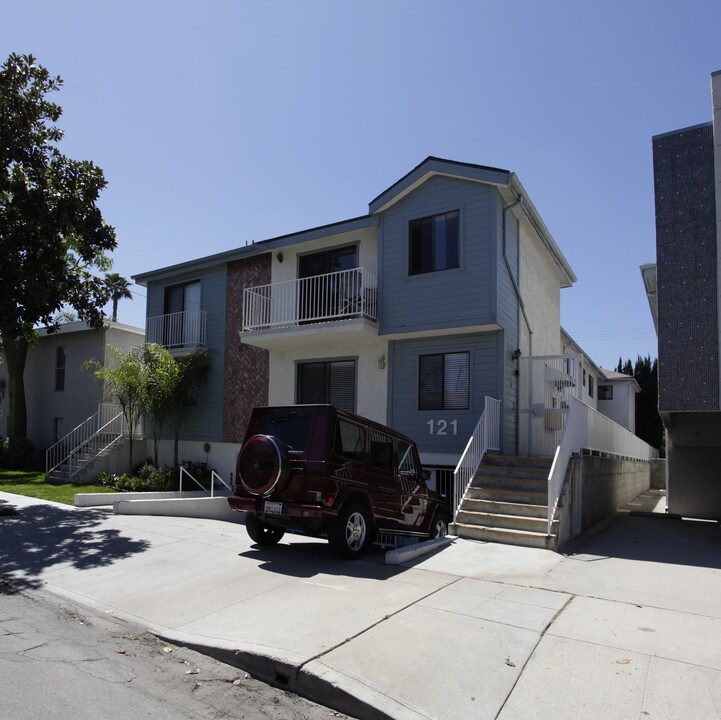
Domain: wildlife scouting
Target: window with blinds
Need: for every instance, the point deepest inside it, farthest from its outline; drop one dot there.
(332, 382)
(443, 382)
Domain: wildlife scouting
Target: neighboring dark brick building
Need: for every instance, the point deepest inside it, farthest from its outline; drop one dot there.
(686, 165)
(688, 352)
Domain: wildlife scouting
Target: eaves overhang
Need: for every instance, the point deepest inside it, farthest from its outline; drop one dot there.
(648, 273)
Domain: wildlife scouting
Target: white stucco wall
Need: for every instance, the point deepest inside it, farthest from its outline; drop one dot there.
(371, 381)
(622, 408)
(540, 285)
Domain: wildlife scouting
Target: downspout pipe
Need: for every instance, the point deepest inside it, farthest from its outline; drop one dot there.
(516, 289)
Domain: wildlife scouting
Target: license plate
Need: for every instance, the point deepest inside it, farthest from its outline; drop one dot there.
(273, 508)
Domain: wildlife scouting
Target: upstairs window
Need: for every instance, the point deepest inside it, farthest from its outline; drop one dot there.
(60, 368)
(443, 381)
(590, 385)
(605, 392)
(434, 243)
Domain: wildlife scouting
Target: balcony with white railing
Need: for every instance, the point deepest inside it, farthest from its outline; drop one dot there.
(178, 331)
(344, 301)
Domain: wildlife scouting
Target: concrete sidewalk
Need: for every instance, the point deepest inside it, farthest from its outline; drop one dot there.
(629, 626)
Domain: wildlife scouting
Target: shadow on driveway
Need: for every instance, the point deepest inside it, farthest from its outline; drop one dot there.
(41, 537)
(662, 540)
(308, 559)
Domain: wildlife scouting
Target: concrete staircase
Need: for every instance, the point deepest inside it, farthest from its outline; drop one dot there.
(78, 465)
(507, 502)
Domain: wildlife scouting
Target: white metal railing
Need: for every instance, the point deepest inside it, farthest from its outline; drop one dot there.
(586, 428)
(547, 384)
(98, 433)
(333, 296)
(178, 330)
(213, 477)
(486, 436)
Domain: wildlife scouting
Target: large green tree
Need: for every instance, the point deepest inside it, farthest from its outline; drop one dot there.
(53, 239)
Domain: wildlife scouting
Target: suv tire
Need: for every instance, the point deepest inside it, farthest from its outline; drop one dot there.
(261, 533)
(263, 465)
(351, 533)
(439, 529)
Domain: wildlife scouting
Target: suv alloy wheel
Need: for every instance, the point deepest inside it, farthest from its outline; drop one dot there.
(351, 532)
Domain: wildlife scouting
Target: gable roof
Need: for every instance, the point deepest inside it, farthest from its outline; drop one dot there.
(505, 180)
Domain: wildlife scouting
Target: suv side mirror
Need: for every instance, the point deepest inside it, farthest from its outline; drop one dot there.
(426, 476)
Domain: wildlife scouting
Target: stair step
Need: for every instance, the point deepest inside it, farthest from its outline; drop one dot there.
(509, 522)
(512, 483)
(505, 508)
(513, 471)
(513, 495)
(503, 535)
(518, 461)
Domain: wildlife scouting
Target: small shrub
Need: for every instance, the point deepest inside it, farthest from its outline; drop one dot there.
(148, 479)
(16, 453)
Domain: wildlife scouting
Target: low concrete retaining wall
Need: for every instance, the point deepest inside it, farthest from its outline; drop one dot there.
(170, 504)
(100, 499)
(658, 474)
(595, 487)
(203, 507)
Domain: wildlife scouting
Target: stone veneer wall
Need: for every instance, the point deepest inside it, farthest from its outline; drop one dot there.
(246, 367)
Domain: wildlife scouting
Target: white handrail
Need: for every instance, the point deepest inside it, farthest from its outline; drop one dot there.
(65, 448)
(332, 296)
(485, 437)
(586, 428)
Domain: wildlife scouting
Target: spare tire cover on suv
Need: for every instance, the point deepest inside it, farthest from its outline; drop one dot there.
(263, 465)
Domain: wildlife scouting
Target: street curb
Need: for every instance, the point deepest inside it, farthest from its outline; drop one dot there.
(401, 555)
(292, 673)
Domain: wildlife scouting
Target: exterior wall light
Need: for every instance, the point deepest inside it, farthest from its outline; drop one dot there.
(382, 362)
(280, 257)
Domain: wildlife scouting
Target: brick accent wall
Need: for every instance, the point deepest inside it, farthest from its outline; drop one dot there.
(246, 367)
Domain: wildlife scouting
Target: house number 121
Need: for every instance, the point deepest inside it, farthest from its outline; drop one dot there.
(443, 427)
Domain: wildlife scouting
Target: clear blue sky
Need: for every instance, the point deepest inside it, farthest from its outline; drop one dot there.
(221, 122)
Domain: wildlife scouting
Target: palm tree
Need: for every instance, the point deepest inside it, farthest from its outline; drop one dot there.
(119, 288)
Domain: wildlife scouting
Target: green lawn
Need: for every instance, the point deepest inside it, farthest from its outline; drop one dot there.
(33, 484)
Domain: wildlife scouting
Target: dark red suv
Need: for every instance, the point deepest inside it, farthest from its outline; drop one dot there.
(319, 469)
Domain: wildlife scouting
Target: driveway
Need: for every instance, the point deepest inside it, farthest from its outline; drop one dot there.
(629, 625)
